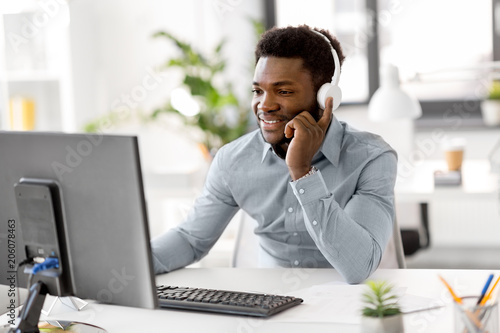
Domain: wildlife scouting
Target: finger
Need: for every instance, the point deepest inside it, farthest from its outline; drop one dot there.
(292, 125)
(324, 121)
(307, 119)
(289, 129)
(302, 126)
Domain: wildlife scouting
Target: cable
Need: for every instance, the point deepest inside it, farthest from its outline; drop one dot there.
(22, 263)
(48, 263)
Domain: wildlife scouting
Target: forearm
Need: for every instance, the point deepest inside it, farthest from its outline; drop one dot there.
(353, 250)
(192, 240)
(171, 251)
(351, 238)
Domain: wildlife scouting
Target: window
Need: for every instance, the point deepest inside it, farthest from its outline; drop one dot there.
(347, 21)
(437, 45)
(440, 46)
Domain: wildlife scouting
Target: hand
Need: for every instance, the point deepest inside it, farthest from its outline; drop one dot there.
(308, 135)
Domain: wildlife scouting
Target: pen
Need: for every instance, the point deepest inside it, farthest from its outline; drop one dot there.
(484, 316)
(485, 289)
(488, 295)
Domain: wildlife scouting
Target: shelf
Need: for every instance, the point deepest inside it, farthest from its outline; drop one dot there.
(37, 67)
(31, 76)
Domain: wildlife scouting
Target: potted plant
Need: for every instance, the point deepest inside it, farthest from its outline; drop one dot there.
(490, 106)
(221, 117)
(381, 313)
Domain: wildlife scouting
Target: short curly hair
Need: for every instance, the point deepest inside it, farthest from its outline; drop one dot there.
(301, 42)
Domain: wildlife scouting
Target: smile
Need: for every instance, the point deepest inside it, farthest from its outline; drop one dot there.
(270, 121)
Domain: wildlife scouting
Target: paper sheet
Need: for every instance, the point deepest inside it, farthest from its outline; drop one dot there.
(341, 303)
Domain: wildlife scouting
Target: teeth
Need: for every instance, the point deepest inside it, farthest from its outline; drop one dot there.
(270, 121)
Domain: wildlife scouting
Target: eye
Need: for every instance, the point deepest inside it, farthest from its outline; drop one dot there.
(256, 91)
(285, 92)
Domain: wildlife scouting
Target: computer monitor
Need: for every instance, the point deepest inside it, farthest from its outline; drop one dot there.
(105, 239)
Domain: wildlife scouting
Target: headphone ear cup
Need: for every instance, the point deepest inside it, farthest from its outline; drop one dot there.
(329, 90)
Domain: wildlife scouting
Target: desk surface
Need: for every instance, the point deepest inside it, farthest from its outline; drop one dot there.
(425, 283)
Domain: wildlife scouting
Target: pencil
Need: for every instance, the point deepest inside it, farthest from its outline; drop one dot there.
(473, 317)
(455, 297)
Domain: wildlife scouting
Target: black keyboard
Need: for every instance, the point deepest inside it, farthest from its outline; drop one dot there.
(224, 301)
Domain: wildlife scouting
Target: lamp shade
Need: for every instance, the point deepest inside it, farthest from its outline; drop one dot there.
(390, 102)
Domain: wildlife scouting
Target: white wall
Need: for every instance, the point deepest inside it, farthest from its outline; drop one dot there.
(113, 51)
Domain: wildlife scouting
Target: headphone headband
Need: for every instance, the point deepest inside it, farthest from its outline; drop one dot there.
(336, 75)
(330, 89)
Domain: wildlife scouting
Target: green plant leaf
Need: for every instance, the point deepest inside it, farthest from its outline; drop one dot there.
(379, 300)
(198, 86)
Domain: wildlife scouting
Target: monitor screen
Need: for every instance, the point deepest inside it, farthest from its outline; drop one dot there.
(103, 206)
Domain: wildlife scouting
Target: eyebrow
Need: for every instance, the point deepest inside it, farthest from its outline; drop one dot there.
(278, 83)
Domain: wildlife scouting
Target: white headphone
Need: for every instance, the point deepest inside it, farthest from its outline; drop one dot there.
(330, 89)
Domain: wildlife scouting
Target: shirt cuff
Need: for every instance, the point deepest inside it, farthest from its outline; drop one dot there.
(310, 188)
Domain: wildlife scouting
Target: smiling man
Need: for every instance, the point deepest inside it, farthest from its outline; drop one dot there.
(321, 192)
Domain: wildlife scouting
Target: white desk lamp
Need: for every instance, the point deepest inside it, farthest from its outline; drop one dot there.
(394, 111)
(390, 102)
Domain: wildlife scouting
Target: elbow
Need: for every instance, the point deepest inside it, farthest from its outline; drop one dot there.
(356, 277)
(358, 272)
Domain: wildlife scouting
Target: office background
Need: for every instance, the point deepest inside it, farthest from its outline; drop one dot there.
(77, 61)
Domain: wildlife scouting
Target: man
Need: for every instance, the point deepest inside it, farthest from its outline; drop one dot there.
(321, 192)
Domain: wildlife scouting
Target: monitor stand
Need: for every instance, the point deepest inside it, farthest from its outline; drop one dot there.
(29, 317)
(72, 302)
(30, 314)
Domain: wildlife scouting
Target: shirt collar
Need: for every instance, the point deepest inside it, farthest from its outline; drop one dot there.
(267, 148)
(331, 144)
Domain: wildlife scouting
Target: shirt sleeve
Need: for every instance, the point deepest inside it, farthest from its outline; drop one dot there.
(204, 224)
(352, 239)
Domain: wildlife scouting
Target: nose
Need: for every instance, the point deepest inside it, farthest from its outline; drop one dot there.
(267, 103)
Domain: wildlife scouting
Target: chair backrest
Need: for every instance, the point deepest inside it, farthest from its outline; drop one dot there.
(394, 256)
(246, 249)
(414, 224)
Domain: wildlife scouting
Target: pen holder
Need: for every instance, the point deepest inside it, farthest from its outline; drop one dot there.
(472, 318)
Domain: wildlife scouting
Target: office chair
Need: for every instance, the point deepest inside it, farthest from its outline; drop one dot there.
(245, 253)
(246, 247)
(414, 218)
(394, 256)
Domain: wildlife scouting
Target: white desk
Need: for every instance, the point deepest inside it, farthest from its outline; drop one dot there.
(464, 215)
(117, 319)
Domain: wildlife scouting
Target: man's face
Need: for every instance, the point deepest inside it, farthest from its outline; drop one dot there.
(282, 89)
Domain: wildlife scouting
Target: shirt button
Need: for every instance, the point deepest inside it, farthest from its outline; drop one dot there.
(315, 222)
(301, 191)
(290, 209)
(295, 234)
(296, 262)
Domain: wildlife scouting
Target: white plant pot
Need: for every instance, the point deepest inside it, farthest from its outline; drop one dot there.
(491, 112)
(391, 324)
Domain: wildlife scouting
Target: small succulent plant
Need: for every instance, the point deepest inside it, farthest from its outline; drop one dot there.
(494, 90)
(380, 300)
